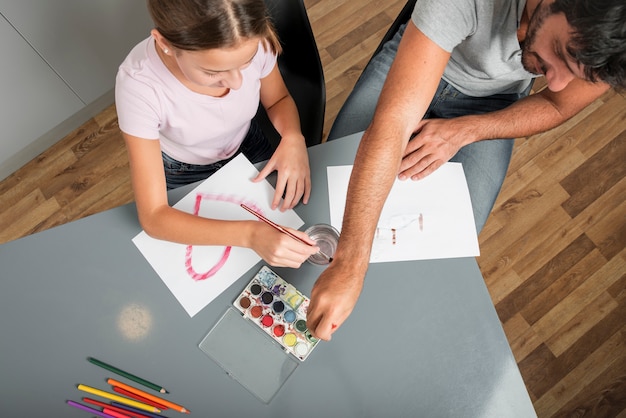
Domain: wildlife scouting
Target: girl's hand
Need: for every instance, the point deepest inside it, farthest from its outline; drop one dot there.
(293, 183)
(279, 249)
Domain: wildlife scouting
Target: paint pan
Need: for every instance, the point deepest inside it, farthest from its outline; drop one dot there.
(266, 321)
(277, 304)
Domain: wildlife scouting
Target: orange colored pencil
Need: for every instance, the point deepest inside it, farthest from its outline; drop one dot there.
(146, 395)
(138, 398)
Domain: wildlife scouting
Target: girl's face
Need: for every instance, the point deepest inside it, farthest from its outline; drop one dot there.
(212, 68)
(217, 68)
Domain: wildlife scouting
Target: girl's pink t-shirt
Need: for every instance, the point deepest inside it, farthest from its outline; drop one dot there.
(191, 127)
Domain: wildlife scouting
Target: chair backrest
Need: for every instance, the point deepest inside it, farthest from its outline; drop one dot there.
(301, 68)
(403, 17)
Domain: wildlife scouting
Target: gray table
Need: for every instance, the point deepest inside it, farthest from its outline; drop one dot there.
(423, 341)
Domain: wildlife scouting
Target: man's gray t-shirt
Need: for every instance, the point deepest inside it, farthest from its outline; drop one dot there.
(481, 35)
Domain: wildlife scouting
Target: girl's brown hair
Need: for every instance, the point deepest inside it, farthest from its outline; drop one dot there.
(195, 25)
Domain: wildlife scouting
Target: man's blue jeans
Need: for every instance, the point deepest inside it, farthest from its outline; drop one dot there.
(485, 163)
(256, 147)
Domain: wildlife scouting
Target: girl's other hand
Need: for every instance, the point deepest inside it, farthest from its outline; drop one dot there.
(291, 161)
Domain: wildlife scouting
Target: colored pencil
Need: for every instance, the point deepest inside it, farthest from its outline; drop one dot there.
(131, 409)
(138, 398)
(146, 395)
(118, 398)
(88, 409)
(114, 413)
(281, 229)
(127, 375)
(115, 408)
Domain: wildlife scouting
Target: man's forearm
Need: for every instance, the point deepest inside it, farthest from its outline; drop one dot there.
(375, 169)
(532, 115)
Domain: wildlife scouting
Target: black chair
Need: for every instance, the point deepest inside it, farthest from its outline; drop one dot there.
(403, 17)
(301, 68)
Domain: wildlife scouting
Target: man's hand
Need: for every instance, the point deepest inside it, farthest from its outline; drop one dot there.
(434, 143)
(333, 297)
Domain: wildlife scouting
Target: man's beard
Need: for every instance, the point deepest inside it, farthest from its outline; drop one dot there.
(527, 62)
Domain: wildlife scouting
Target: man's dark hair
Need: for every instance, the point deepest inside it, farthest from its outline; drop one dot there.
(599, 38)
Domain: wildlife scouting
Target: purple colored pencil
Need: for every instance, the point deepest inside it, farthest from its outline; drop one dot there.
(88, 409)
(139, 411)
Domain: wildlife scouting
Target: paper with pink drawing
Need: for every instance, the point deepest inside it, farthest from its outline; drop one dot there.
(198, 274)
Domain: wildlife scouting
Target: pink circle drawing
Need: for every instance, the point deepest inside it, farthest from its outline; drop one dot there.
(196, 276)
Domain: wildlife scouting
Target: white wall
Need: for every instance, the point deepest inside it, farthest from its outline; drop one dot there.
(59, 66)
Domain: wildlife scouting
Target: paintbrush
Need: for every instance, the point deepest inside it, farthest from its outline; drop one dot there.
(283, 230)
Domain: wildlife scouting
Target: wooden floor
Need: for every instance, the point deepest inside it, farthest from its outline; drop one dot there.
(552, 251)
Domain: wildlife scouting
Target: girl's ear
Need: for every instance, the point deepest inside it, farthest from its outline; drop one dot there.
(161, 42)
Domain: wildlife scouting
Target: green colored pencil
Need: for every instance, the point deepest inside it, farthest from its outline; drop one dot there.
(127, 375)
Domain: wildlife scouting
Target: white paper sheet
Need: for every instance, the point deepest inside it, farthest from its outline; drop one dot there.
(426, 219)
(198, 274)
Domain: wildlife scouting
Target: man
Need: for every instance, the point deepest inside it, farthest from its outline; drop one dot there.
(467, 66)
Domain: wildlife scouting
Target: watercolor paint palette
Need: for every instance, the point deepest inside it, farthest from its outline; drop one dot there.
(262, 338)
(279, 309)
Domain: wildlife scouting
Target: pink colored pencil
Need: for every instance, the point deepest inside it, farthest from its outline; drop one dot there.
(273, 224)
(114, 413)
(115, 408)
(88, 409)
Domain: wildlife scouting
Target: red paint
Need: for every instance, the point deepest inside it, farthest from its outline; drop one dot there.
(279, 330)
(267, 321)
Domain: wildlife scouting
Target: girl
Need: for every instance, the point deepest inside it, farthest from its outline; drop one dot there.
(185, 100)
